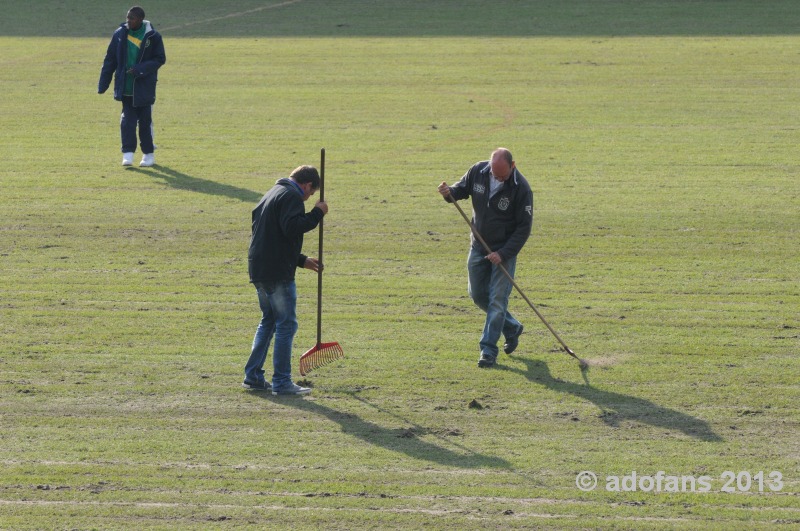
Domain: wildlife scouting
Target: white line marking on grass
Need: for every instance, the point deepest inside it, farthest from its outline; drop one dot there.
(231, 15)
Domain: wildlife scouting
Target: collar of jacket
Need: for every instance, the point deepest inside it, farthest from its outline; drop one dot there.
(488, 170)
(147, 27)
(290, 182)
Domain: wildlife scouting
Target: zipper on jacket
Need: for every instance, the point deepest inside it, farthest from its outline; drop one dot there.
(141, 56)
(122, 56)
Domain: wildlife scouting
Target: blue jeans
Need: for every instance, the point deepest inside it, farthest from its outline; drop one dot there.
(278, 301)
(131, 117)
(490, 288)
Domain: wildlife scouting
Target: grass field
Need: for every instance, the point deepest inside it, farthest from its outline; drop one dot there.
(660, 139)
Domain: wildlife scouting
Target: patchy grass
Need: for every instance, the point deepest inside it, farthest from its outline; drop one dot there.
(664, 251)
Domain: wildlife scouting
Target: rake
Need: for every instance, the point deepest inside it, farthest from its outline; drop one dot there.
(321, 353)
(583, 364)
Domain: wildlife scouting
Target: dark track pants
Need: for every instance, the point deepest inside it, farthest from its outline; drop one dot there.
(131, 117)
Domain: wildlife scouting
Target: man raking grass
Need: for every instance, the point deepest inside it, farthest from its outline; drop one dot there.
(503, 205)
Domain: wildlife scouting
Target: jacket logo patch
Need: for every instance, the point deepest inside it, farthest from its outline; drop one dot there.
(529, 210)
(479, 188)
(504, 203)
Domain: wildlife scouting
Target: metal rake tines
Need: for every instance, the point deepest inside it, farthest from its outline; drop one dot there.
(320, 355)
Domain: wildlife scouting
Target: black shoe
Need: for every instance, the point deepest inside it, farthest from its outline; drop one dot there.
(486, 361)
(513, 341)
(258, 385)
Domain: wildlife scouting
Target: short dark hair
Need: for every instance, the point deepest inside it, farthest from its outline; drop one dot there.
(138, 11)
(306, 174)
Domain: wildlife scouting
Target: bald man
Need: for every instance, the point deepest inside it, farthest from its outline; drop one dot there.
(502, 206)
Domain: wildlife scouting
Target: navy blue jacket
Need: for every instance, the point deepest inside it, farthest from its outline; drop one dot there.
(279, 222)
(505, 220)
(151, 57)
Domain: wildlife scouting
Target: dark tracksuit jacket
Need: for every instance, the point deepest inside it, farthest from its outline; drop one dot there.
(151, 57)
(505, 220)
(279, 222)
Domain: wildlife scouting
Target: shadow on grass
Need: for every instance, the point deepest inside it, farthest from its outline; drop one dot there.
(617, 407)
(404, 440)
(181, 181)
(412, 18)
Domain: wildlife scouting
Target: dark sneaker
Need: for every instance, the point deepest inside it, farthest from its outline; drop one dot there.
(291, 389)
(256, 385)
(512, 342)
(486, 361)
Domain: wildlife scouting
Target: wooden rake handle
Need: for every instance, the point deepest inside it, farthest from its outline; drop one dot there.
(319, 254)
(513, 282)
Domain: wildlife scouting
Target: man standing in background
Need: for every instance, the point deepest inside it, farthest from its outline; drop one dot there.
(134, 55)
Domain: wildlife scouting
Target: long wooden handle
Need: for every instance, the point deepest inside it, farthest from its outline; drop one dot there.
(319, 254)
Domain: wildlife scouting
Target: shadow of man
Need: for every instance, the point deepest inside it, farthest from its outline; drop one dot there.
(403, 440)
(617, 407)
(181, 181)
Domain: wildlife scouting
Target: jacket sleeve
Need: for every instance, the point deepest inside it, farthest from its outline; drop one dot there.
(461, 189)
(296, 222)
(109, 65)
(523, 215)
(156, 59)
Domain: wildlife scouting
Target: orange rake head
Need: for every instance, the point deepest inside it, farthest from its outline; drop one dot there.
(321, 354)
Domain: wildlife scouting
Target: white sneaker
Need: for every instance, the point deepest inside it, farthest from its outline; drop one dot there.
(291, 389)
(148, 160)
(127, 159)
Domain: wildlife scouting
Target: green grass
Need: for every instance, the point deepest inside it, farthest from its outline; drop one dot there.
(663, 163)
